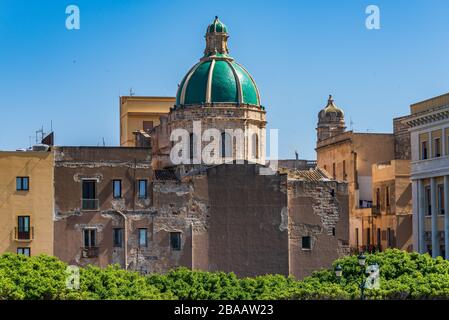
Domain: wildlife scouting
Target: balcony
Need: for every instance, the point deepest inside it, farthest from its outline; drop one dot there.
(89, 252)
(24, 236)
(89, 204)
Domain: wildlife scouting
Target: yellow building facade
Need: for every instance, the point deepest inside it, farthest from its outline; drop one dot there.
(141, 114)
(367, 163)
(26, 202)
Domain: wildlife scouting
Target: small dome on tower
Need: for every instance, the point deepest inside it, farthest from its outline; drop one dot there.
(217, 26)
(331, 120)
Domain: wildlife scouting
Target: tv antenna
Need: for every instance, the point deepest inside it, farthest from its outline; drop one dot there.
(131, 92)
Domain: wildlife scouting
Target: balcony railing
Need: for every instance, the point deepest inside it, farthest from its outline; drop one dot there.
(23, 235)
(89, 204)
(89, 252)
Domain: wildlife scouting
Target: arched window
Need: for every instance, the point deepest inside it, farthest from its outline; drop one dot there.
(191, 146)
(255, 146)
(226, 145)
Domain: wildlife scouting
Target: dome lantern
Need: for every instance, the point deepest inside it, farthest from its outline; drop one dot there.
(216, 39)
(217, 78)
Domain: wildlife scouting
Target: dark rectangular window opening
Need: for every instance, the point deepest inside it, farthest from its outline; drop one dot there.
(22, 183)
(387, 196)
(143, 186)
(440, 201)
(118, 237)
(143, 237)
(306, 243)
(378, 239)
(424, 150)
(175, 240)
(357, 237)
(89, 201)
(26, 251)
(437, 148)
(333, 231)
(368, 237)
(23, 228)
(378, 199)
(428, 201)
(90, 237)
(117, 188)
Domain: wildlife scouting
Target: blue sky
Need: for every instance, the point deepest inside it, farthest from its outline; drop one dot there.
(297, 51)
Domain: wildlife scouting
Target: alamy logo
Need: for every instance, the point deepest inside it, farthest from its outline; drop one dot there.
(73, 277)
(372, 22)
(373, 279)
(213, 146)
(72, 22)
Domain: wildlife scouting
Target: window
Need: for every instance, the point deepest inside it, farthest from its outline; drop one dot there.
(378, 198)
(424, 150)
(333, 171)
(378, 239)
(23, 227)
(389, 238)
(90, 237)
(143, 188)
(333, 193)
(306, 243)
(143, 237)
(175, 240)
(333, 231)
(191, 146)
(117, 188)
(89, 201)
(226, 145)
(357, 237)
(118, 237)
(344, 169)
(22, 183)
(387, 196)
(148, 126)
(24, 250)
(368, 236)
(440, 196)
(437, 147)
(255, 146)
(428, 202)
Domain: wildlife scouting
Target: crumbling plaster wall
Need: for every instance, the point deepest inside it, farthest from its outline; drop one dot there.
(318, 210)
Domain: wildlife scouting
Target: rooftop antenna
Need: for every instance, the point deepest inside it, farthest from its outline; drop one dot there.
(351, 124)
(41, 131)
(104, 144)
(131, 92)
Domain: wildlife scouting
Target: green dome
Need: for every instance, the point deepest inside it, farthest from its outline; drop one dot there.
(217, 78)
(216, 26)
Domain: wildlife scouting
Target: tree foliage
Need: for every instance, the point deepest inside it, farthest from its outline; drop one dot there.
(402, 276)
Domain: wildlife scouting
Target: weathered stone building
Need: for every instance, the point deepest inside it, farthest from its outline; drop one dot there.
(235, 215)
(361, 159)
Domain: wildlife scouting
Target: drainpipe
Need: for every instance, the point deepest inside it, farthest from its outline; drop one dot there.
(125, 220)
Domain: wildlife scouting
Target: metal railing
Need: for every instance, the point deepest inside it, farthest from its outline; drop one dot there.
(89, 204)
(23, 235)
(89, 252)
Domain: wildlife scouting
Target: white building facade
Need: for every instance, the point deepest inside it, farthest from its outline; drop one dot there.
(429, 135)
